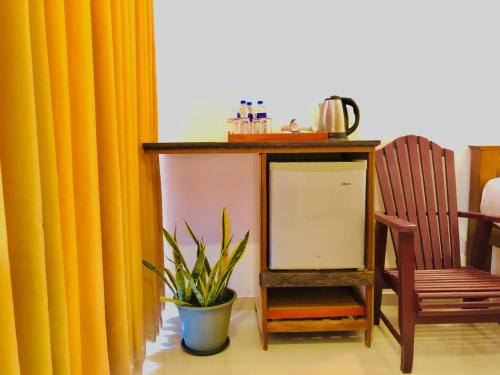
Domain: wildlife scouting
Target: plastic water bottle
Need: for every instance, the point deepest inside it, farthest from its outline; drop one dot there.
(243, 109)
(236, 124)
(250, 111)
(262, 117)
(242, 118)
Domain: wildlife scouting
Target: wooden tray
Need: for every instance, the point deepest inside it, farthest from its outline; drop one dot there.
(277, 137)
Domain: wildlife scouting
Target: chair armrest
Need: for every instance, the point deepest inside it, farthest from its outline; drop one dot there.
(405, 238)
(480, 251)
(395, 223)
(480, 216)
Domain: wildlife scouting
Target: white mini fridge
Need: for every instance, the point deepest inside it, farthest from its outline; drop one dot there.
(317, 215)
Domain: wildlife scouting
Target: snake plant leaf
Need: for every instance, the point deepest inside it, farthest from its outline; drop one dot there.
(225, 229)
(170, 277)
(175, 300)
(191, 233)
(207, 268)
(178, 257)
(218, 291)
(211, 279)
(182, 293)
(225, 238)
(202, 287)
(193, 288)
(160, 274)
(225, 257)
(155, 269)
(198, 266)
(199, 245)
(172, 288)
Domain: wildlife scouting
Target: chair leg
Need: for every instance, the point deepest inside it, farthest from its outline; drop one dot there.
(407, 298)
(377, 304)
(407, 343)
(380, 249)
(407, 331)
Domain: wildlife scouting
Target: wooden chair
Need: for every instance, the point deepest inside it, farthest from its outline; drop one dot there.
(417, 182)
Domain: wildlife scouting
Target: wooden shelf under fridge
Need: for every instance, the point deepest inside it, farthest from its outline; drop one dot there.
(319, 278)
(311, 303)
(318, 325)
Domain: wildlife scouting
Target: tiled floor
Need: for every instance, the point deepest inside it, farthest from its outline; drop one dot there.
(439, 349)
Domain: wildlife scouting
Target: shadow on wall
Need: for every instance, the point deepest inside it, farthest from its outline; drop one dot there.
(195, 188)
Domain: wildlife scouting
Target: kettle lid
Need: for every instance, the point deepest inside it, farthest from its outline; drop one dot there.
(333, 97)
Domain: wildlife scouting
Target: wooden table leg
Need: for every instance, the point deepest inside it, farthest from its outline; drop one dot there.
(263, 327)
(263, 247)
(369, 316)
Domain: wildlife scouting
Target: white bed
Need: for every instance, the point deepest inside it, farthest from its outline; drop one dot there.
(490, 201)
(490, 205)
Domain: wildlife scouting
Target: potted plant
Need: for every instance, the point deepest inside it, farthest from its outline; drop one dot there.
(201, 294)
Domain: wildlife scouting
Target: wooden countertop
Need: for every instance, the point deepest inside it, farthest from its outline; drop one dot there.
(485, 148)
(331, 145)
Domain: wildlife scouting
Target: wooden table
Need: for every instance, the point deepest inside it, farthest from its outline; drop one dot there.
(303, 301)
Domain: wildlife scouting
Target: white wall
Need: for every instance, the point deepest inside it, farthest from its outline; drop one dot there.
(430, 68)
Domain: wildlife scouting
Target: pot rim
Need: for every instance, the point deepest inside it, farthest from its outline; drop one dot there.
(208, 308)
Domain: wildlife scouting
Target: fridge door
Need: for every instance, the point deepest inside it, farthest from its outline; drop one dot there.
(317, 215)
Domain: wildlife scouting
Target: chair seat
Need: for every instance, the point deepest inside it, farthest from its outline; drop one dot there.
(466, 287)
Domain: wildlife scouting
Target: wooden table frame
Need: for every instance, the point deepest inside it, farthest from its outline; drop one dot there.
(271, 279)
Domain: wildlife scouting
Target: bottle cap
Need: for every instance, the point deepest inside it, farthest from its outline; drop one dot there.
(249, 103)
(243, 101)
(260, 102)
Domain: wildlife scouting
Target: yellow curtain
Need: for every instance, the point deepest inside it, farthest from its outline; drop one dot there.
(9, 359)
(81, 204)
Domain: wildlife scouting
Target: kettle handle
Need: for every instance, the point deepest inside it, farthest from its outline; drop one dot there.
(352, 103)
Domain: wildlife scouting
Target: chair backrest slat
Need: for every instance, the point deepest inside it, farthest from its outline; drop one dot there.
(418, 185)
(444, 234)
(452, 207)
(395, 185)
(417, 182)
(430, 199)
(385, 189)
(409, 196)
(395, 179)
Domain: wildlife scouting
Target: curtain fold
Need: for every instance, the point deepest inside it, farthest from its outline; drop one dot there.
(22, 192)
(81, 205)
(144, 116)
(9, 358)
(58, 321)
(132, 165)
(86, 187)
(118, 24)
(61, 112)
